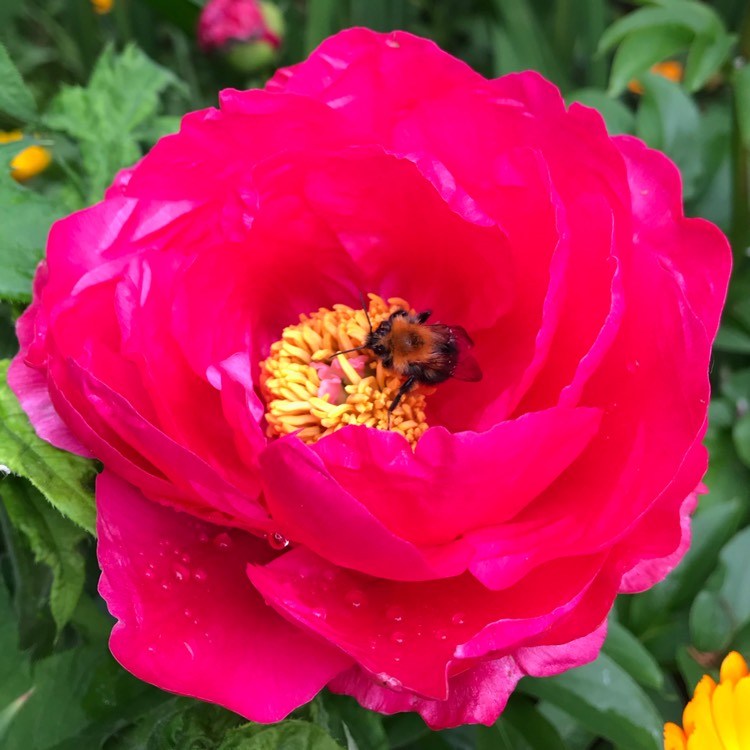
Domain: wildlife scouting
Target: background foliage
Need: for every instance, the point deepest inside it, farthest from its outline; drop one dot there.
(98, 90)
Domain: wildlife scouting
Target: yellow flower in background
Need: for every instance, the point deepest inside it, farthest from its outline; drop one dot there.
(670, 69)
(102, 6)
(718, 717)
(30, 162)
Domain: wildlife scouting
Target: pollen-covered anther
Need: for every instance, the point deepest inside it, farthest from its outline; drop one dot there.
(312, 393)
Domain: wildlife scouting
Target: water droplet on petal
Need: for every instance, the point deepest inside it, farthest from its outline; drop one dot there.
(222, 541)
(151, 649)
(355, 598)
(149, 573)
(189, 649)
(180, 572)
(329, 575)
(395, 613)
(203, 537)
(398, 637)
(185, 558)
(441, 635)
(386, 680)
(319, 612)
(459, 618)
(188, 613)
(278, 541)
(165, 585)
(200, 575)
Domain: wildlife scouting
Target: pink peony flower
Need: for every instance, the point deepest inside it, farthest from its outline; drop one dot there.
(261, 534)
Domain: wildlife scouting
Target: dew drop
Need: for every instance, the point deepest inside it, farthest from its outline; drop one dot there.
(180, 572)
(165, 585)
(203, 537)
(396, 658)
(459, 618)
(185, 558)
(441, 635)
(395, 613)
(189, 649)
(329, 575)
(278, 541)
(188, 613)
(319, 613)
(398, 637)
(373, 645)
(222, 541)
(151, 649)
(149, 573)
(386, 680)
(355, 598)
(200, 575)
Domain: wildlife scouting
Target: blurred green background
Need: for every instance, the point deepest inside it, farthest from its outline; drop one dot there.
(93, 87)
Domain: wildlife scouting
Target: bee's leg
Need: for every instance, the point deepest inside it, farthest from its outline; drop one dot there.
(405, 388)
(422, 317)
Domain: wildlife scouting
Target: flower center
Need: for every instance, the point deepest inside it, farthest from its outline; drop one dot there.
(312, 393)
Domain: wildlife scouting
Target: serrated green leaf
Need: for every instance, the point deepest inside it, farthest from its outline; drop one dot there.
(54, 541)
(710, 622)
(618, 117)
(27, 217)
(741, 86)
(625, 649)
(640, 51)
(103, 117)
(64, 479)
(706, 56)
(288, 735)
(605, 700)
(15, 98)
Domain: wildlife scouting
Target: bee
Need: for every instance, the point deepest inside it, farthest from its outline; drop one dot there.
(422, 353)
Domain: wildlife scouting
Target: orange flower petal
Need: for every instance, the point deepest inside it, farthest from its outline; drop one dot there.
(742, 711)
(722, 704)
(674, 737)
(733, 668)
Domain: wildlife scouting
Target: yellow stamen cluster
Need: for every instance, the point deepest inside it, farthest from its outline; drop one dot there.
(718, 716)
(293, 377)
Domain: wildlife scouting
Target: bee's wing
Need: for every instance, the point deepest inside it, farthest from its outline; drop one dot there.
(467, 368)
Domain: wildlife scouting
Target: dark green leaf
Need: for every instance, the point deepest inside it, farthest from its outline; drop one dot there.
(710, 622)
(690, 670)
(624, 648)
(605, 700)
(741, 86)
(15, 98)
(404, 729)
(741, 437)
(54, 541)
(642, 50)
(651, 19)
(288, 735)
(365, 727)
(64, 479)
(536, 731)
(735, 592)
(731, 338)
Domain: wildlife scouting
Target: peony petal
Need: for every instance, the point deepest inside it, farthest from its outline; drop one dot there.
(188, 619)
(454, 483)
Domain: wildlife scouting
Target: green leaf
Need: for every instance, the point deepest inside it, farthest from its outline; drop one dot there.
(711, 530)
(27, 217)
(741, 437)
(690, 670)
(706, 56)
(365, 727)
(731, 338)
(404, 729)
(54, 541)
(741, 86)
(288, 735)
(624, 648)
(735, 560)
(618, 117)
(66, 480)
(15, 98)
(605, 700)
(121, 96)
(642, 50)
(668, 119)
(15, 670)
(652, 19)
(533, 728)
(710, 623)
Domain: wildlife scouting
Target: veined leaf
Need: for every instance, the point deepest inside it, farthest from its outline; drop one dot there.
(64, 479)
(15, 98)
